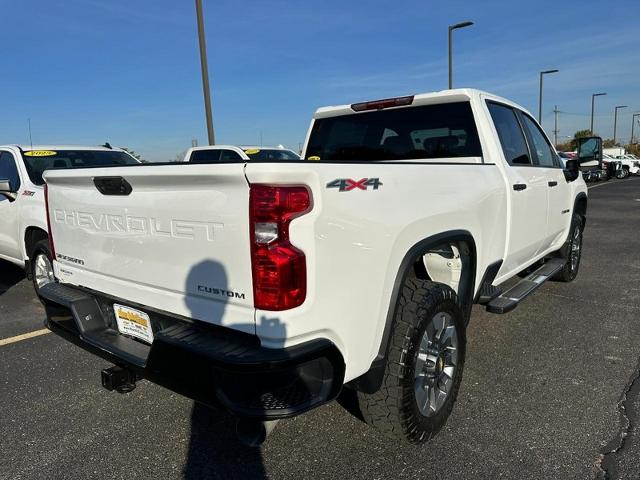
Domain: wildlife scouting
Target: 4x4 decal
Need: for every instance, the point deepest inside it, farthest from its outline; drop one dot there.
(348, 184)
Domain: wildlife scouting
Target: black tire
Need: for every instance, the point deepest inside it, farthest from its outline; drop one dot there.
(394, 409)
(41, 247)
(570, 269)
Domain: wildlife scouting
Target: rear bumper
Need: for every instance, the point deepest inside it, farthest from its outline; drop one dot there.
(207, 363)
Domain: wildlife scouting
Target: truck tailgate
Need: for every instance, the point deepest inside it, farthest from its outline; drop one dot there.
(178, 242)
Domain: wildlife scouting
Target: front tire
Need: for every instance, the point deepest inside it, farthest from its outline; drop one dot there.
(424, 364)
(571, 251)
(41, 265)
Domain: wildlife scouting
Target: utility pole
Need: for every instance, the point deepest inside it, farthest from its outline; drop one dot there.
(205, 73)
(451, 29)
(540, 94)
(555, 128)
(615, 122)
(593, 100)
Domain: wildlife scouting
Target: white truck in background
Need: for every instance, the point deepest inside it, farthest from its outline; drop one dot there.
(23, 220)
(231, 153)
(268, 287)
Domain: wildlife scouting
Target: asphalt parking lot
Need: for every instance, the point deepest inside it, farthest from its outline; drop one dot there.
(549, 390)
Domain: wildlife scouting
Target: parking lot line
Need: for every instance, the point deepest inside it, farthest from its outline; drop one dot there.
(24, 336)
(603, 184)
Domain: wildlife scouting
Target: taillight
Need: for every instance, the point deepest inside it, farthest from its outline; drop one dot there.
(46, 206)
(279, 269)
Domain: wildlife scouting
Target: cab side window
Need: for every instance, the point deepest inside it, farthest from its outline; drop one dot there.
(229, 156)
(9, 170)
(205, 156)
(511, 136)
(540, 146)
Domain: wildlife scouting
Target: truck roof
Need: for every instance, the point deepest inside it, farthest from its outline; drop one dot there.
(60, 147)
(455, 95)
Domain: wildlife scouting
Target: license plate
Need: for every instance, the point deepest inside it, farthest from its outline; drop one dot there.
(133, 322)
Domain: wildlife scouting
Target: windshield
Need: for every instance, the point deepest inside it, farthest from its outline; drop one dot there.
(432, 131)
(270, 154)
(37, 161)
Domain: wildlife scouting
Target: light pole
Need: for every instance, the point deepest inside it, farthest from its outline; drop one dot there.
(633, 123)
(615, 121)
(540, 96)
(205, 73)
(593, 98)
(451, 29)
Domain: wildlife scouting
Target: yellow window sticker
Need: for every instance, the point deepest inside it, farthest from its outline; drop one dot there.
(252, 151)
(313, 158)
(40, 153)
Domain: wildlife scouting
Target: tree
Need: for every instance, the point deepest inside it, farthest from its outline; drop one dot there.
(179, 156)
(135, 155)
(608, 143)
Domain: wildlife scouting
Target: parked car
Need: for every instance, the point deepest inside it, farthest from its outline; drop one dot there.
(611, 166)
(630, 165)
(23, 221)
(230, 153)
(270, 286)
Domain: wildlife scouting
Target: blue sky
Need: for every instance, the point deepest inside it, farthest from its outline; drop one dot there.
(88, 71)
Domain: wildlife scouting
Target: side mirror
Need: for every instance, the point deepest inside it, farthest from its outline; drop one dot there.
(571, 170)
(589, 150)
(5, 189)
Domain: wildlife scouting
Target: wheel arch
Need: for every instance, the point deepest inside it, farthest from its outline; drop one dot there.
(32, 235)
(371, 381)
(580, 206)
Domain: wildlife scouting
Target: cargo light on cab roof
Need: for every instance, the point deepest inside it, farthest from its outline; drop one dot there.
(384, 103)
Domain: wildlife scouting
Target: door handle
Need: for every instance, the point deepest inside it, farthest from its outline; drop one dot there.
(553, 183)
(519, 186)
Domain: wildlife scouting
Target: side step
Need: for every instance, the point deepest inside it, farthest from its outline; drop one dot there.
(488, 292)
(511, 298)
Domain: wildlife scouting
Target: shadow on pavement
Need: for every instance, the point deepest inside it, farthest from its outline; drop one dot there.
(10, 275)
(214, 449)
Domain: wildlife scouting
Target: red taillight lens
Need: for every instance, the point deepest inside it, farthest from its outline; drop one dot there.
(46, 206)
(279, 269)
(382, 104)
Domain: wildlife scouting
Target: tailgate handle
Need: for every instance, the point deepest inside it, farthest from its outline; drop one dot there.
(112, 185)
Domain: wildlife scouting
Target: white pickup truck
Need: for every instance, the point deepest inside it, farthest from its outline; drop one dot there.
(267, 287)
(23, 218)
(230, 153)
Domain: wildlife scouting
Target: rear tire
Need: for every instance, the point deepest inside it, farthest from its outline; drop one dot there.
(41, 265)
(571, 251)
(424, 364)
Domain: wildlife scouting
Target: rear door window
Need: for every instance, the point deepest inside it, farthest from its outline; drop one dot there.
(430, 131)
(510, 134)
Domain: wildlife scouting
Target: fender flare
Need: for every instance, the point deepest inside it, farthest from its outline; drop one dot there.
(371, 381)
(580, 200)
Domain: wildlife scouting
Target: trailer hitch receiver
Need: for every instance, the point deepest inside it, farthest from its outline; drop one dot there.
(119, 379)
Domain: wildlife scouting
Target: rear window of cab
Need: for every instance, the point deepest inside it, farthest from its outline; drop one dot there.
(424, 132)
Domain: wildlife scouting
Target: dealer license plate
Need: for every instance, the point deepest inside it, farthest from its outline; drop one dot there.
(133, 322)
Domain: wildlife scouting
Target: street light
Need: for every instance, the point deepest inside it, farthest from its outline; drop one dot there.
(540, 96)
(205, 73)
(593, 97)
(633, 123)
(451, 29)
(615, 121)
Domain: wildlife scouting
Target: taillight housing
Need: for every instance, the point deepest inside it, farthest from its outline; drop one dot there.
(46, 206)
(279, 269)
